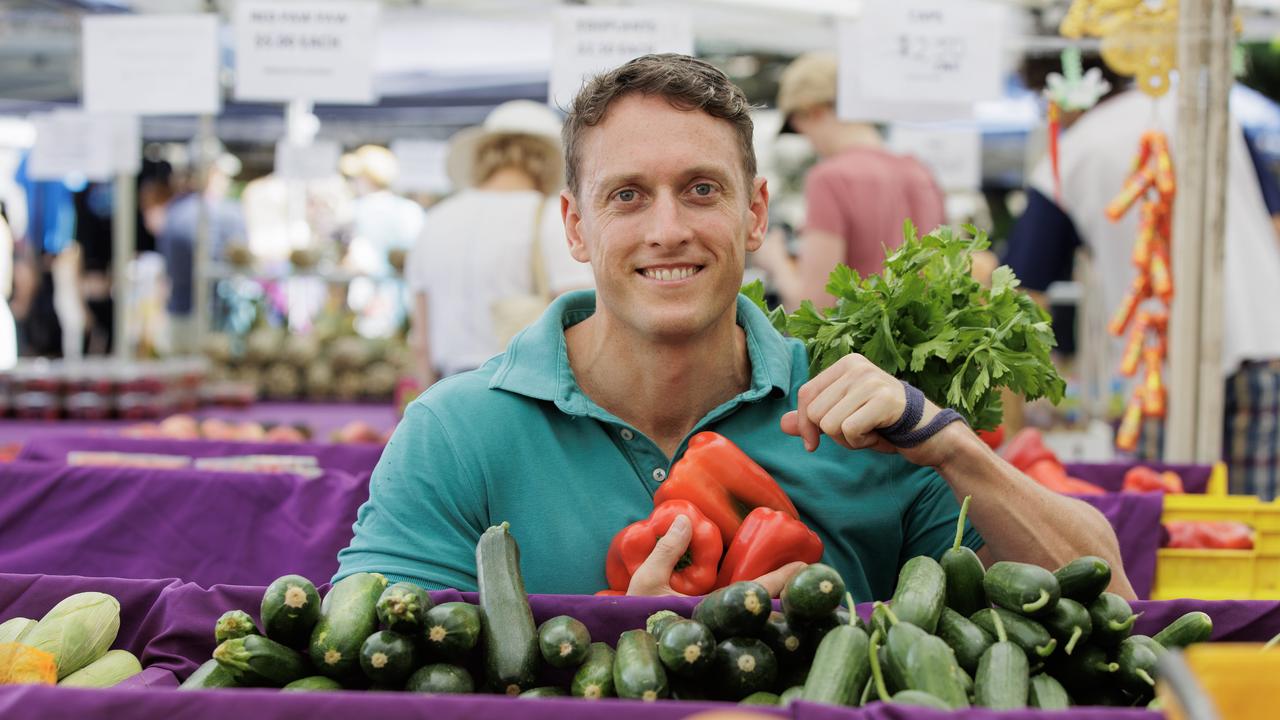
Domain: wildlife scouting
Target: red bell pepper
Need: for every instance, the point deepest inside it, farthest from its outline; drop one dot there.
(1209, 535)
(1026, 447)
(993, 438)
(767, 540)
(723, 482)
(695, 574)
(1143, 479)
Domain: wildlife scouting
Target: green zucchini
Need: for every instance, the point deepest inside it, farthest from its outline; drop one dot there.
(795, 692)
(658, 622)
(1046, 693)
(965, 638)
(1112, 619)
(637, 671)
(921, 593)
(347, 617)
(254, 660)
(1068, 623)
(930, 666)
(402, 607)
(233, 624)
(1027, 634)
(313, 683)
(742, 666)
(451, 630)
(840, 667)
(563, 641)
(686, 648)
(290, 610)
(545, 691)
(387, 658)
(1084, 578)
(1021, 587)
(440, 678)
(1085, 669)
(813, 593)
(594, 679)
(510, 637)
(209, 676)
(790, 676)
(1189, 629)
(1136, 657)
(1003, 680)
(812, 631)
(761, 698)
(691, 690)
(738, 610)
(964, 572)
(789, 646)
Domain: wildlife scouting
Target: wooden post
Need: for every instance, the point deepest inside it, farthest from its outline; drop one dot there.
(123, 248)
(202, 250)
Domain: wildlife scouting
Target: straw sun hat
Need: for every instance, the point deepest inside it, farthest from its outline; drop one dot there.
(517, 117)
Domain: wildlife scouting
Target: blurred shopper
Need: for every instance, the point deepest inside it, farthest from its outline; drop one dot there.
(492, 256)
(857, 196)
(8, 330)
(1096, 155)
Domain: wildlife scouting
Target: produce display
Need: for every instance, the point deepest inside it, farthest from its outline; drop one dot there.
(100, 389)
(69, 646)
(187, 427)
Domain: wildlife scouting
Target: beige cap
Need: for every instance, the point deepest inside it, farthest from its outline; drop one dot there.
(375, 163)
(514, 117)
(810, 80)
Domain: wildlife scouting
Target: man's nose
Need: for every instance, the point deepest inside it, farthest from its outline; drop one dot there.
(668, 225)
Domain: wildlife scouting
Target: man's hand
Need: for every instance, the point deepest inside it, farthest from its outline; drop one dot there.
(653, 577)
(854, 398)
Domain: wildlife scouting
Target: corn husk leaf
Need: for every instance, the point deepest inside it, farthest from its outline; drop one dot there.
(15, 629)
(108, 670)
(77, 631)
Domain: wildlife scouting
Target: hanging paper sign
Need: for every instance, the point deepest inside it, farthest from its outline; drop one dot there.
(313, 161)
(95, 147)
(590, 40)
(317, 51)
(953, 154)
(422, 165)
(150, 65)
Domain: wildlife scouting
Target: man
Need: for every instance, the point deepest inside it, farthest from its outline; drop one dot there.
(569, 434)
(856, 197)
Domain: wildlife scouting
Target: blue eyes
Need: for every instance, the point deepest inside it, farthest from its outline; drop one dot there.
(702, 190)
(627, 195)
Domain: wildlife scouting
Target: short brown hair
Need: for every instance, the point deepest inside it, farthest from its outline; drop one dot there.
(685, 82)
(536, 157)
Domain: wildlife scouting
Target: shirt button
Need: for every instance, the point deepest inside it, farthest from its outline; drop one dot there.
(659, 474)
(627, 434)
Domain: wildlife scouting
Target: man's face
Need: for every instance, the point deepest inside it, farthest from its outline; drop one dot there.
(665, 216)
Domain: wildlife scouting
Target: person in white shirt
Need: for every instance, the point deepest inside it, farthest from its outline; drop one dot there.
(478, 247)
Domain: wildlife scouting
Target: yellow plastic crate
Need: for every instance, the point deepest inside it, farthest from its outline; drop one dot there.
(1238, 678)
(1221, 574)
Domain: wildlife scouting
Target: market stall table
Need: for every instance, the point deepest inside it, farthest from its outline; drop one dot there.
(1110, 476)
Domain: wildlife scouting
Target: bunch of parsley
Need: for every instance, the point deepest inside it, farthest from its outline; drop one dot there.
(925, 320)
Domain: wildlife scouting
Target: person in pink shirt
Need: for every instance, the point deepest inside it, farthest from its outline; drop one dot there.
(857, 196)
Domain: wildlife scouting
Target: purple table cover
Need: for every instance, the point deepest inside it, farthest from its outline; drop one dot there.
(204, 527)
(169, 625)
(1136, 519)
(1110, 476)
(352, 459)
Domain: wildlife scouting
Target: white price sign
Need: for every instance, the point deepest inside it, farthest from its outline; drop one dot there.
(97, 147)
(422, 165)
(150, 65)
(314, 161)
(317, 51)
(590, 40)
(953, 154)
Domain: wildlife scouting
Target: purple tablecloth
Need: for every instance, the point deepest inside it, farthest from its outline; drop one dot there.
(204, 527)
(353, 459)
(1110, 476)
(1136, 519)
(169, 625)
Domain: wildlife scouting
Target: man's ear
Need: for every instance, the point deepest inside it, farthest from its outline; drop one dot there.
(569, 214)
(759, 210)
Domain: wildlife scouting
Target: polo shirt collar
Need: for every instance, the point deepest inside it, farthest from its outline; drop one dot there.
(536, 362)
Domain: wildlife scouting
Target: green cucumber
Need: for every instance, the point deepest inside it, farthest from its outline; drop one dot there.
(387, 658)
(510, 637)
(1085, 669)
(930, 666)
(290, 610)
(1189, 629)
(637, 672)
(919, 698)
(594, 679)
(313, 683)
(738, 610)
(743, 666)
(1046, 693)
(1137, 656)
(347, 617)
(921, 593)
(402, 607)
(686, 648)
(545, 691)
(451, 630)
(1004, 677)
(877, 682)
(964, 572)
(209, 676)
(789, 646)
(1069, 623)
(1112, 619)
(967, 681)
(563, 641)
(761, 698)
(1083, 579)
(880, 619)
(965, 638)
(840, 667)
(233, 624)
(1027, 634)
(795, 692)
(813, 593)
(902, 635)
(1021, 587)
(440, 678)
(254, 660)
(658, 622)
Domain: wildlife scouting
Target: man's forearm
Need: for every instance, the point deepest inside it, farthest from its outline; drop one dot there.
(1023, 521)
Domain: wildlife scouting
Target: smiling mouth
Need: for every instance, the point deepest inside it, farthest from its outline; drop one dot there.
(670, 274)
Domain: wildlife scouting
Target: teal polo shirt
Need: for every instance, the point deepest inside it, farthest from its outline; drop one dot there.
(518, 441)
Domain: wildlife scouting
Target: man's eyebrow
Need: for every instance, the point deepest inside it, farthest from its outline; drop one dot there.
(715, 172)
